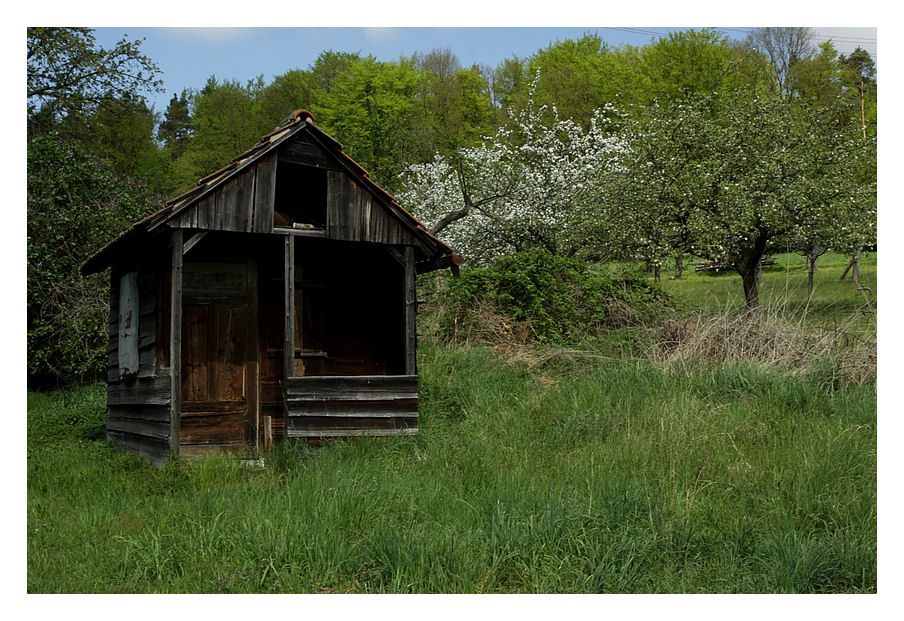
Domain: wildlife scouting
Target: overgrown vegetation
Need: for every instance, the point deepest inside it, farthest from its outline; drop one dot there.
(536, 297)
(537, 468)
(76, 203)
(580, 477)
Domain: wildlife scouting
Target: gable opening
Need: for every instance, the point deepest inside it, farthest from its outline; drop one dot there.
(301, 196)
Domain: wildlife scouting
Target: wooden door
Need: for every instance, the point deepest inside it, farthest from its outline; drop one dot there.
(219, 358)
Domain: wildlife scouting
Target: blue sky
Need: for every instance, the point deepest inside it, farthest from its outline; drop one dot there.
(188, 56)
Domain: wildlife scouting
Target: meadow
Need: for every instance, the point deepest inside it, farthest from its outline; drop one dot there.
(551, 472)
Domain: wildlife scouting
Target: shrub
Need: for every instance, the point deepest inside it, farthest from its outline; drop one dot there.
(75, 205)
(537, 297)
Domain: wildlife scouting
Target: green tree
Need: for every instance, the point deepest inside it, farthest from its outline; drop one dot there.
(453, 105)
(70, 76)
(750, 171)
(123, 135)
(688, 63)
(225, 122)
(582, 76)
(76, 203)
(291, 91)
(370, 109)
(175, 129)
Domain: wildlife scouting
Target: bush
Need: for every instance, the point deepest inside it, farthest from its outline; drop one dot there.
(537, 297)
(75, 205)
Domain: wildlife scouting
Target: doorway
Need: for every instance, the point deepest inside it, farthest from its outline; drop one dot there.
(219, 408)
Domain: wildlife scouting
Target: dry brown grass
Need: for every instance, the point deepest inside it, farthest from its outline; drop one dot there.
(780, 336)
(767, 337)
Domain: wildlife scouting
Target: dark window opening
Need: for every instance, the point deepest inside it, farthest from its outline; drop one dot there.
(300, 196)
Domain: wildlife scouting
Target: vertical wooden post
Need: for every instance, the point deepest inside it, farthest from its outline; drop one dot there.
(410, 313)
(289, 340)
(176, 342)
(252, 353)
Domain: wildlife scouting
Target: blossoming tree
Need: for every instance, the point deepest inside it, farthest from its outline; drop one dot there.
(531, 186)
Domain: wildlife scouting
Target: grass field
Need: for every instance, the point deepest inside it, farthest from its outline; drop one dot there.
(577, 475)
(784, 285)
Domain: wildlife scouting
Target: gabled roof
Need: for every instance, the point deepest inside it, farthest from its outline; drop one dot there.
(300, 121)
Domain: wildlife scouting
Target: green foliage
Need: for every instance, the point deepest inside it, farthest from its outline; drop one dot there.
(224, 123)
(452, 105)
(370, 109)
(728, 176)
(688, 63)
(75, 205)
(559, 300)
(69, 76)
(175, 129)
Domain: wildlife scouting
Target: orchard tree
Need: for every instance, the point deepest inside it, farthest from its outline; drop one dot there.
(751, 170)
(534, 185)
(859, 76)
(656, 188)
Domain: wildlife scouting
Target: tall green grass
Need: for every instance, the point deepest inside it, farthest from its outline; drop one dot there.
(568, 477)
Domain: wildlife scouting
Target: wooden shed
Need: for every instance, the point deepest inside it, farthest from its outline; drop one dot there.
(275, 299)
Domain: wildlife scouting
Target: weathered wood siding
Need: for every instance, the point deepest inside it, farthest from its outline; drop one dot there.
(353, 214)
(359, 405)
(242, 204)
(245, 203)
(138, 405)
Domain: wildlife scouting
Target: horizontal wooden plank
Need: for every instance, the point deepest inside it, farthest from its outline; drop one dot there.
(154, 450)
(307, 154)
(345, 433)
(211, 428)
(149, 429)
(351, 388)
(152, 413)
(151, 391)
(389, 408)
(199, 450)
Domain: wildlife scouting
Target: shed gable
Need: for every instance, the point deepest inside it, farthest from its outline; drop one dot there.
(299, 187)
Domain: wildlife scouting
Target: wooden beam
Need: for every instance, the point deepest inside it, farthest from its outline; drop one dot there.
(289, 297)
(410, 312)
(176, 341)
(398, 256)
(193, 241)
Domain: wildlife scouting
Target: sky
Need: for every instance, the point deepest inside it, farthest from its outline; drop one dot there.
(188, 56)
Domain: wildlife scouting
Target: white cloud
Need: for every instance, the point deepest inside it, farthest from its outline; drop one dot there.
(380, 35)
(212, 35)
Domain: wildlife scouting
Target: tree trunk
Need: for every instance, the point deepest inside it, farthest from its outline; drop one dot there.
(855, 271)
(748, 266)
(751, 279)
(679, 267)
(855, 264)
(657, 273)
(811, 270)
